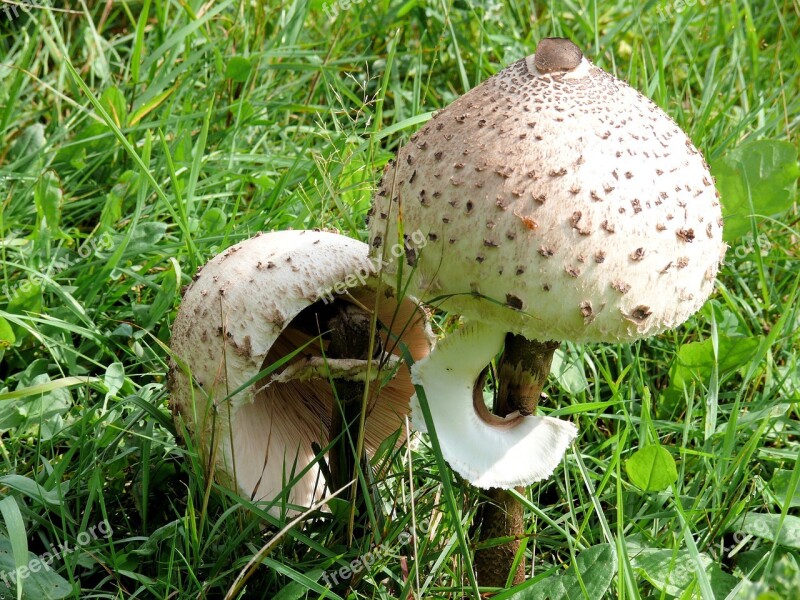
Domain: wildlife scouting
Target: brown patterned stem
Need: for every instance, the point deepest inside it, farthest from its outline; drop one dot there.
(350, 338)
(522, 373)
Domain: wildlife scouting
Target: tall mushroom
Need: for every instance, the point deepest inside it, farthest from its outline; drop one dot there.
(252, 306)
(559, 204)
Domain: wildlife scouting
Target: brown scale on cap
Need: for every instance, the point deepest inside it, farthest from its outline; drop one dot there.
(640, 313)
(557, 54)
(620, 286)
(637, 254)
(528, 221)
(513, 302)
(580, 224)
(586, 311)
(546, 252)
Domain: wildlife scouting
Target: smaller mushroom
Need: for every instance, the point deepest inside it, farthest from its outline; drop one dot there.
(270, 303)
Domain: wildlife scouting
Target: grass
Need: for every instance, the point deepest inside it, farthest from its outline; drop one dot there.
(140, 138)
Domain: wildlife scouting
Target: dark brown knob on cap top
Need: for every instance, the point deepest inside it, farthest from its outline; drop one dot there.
(557, 54)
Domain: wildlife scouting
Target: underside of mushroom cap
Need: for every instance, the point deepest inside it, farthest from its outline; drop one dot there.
(556, 199)
(248, 309)
(518, 452)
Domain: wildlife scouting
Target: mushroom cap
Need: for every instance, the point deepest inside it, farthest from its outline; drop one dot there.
(238, 317)
(554, 199)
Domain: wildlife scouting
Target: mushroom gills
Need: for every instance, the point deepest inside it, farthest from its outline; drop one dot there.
(500, 453)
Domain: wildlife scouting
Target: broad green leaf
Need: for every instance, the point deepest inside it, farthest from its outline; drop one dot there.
(96, 244)
(213, 220)
(114, 378)
(597, 566)
(652, 468)
(48, 198)
(354, 181)
(112, 209)
(166, 535)
(771, 412)
(695, 361)
(29, 142)
(94, 138)
(674, 573)
(35, 491)
(243, 110)
(780, 487)
(40, 411)
(46, 405)
(764, 172)
(43, 584)
(144, 238)
(238, 69)
(768, 526)
(26, 298)
(7, 337)
(753, 562)
(733, 353)
(77, 159)
(114, 102)
(27, 148)
(785, 575)
(292, 591)
(96, 54)
(340, 509)
(728, 322)
(568, 371)
(15, 526)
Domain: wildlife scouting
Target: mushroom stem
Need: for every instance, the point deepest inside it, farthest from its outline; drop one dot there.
(488, 450)
(350, 338)
(522, 373)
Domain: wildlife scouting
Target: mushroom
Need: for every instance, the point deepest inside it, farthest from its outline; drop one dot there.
(252, 306)
(559, 204)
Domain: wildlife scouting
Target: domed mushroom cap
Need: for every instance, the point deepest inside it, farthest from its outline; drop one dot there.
(558, 200)
(249, 308)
